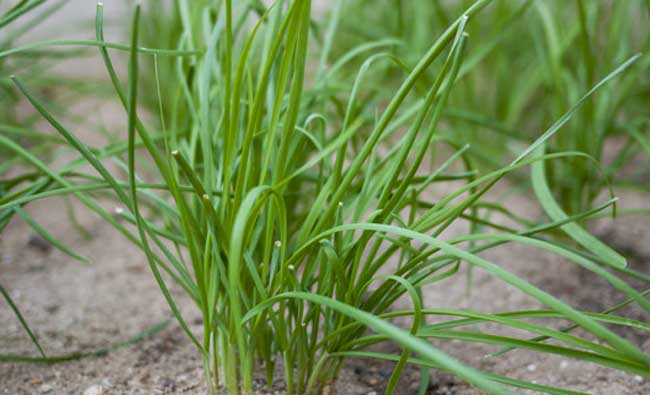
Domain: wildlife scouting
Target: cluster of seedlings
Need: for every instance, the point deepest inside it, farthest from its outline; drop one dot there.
(302, 172)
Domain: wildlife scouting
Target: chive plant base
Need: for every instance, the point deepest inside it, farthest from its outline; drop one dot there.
(81, 308)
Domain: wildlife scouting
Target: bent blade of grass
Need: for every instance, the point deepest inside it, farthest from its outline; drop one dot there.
(442, 210)
(505, 341)
(514, 320)
(564, 252)
(604, 317)
(572, 229)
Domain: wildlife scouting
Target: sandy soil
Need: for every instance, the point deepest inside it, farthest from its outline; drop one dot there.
(81, 308)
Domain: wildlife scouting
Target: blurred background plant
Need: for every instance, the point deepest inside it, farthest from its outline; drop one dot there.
(27, 49)
(533, 60)
(15, 21)
(50, 46)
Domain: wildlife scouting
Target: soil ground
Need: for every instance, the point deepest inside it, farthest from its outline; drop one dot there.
(82, 308)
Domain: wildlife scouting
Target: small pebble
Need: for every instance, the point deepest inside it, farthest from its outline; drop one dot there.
(564, 365)
(94, 390)
(531, 367)
(638, 379)
(45, 388)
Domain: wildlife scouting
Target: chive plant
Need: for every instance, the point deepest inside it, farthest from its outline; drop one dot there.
(294, 221)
